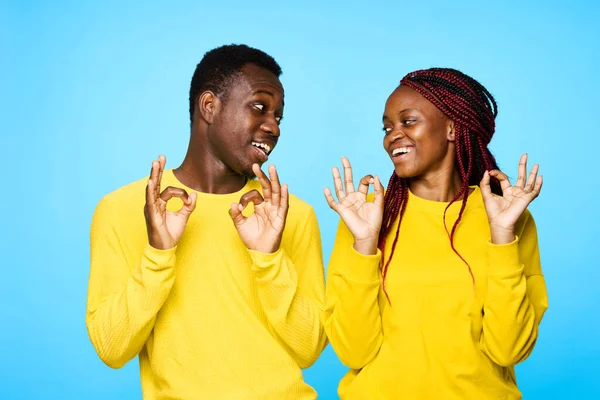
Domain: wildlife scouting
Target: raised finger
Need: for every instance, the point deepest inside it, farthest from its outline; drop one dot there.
(522, 171)
(275, 185)
(252, 196)
(162, 161)
(337, 183)
(285, 195)
(349, 183)
(150, 194)
(330, 200)
(538, 185)
(531, 180)
(364, 183)
(264, 181)
(154, 172)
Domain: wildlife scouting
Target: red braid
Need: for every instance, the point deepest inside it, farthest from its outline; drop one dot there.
(473, 109)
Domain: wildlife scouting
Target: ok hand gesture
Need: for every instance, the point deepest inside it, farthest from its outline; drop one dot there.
(362, 218)
(262, 231)
(504, 211)
(164, 227)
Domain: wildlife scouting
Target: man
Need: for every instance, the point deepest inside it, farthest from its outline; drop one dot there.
(215, 309)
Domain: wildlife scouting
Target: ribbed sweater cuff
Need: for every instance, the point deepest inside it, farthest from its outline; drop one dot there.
(359, 267)
(503, 259)
(158, 260)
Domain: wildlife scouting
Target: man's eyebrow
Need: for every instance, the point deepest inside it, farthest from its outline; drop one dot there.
(263, 91)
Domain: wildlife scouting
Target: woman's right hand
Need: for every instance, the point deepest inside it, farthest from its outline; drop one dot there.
(362, 218)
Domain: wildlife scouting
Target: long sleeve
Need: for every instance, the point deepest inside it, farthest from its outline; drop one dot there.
(352, 314)
(291, 289)
(122, 301)
(516, 297)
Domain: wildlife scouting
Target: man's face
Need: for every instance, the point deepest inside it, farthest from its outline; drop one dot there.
(246, 127)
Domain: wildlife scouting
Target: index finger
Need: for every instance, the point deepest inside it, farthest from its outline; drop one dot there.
(275, 185)
(363, 186)
(502, 178)
(252, 196)
(171, 192)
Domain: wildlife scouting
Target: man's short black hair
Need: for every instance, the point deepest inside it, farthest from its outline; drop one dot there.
(219, 68)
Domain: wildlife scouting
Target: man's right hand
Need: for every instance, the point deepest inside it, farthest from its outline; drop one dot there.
(165, 228)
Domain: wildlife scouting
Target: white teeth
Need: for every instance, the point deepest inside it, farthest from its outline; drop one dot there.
(401, 150)
(263, 146)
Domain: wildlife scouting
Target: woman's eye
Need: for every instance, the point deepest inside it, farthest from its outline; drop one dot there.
(387, 129)
(408, 121)
(278, 119)
(259, 106)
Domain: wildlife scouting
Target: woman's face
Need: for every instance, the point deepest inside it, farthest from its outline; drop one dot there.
(419, 138)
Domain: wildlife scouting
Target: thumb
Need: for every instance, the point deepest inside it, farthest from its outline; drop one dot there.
(235, 212)
(189, 205)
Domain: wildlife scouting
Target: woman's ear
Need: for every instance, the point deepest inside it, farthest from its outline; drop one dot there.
(451, 135)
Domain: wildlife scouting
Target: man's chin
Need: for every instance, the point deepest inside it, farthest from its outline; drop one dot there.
(248, 173)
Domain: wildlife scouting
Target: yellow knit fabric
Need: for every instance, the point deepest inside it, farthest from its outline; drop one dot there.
(209, 319)
(442, 337)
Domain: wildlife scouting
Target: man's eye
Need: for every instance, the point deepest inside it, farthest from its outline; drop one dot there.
(387, 129)
(259, 106)
(408, 121)
(278, 119)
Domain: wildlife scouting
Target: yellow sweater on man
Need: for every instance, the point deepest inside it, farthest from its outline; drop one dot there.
(209, 319)
(442, 336)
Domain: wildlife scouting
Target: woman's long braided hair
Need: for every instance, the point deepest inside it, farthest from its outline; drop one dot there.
(473, 110)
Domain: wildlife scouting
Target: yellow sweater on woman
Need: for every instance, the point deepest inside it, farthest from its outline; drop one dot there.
(442, 336)
(209, 319)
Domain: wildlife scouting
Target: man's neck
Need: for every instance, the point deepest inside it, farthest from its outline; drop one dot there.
(203, 172)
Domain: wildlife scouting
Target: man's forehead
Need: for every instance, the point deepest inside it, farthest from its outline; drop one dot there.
(255, 78)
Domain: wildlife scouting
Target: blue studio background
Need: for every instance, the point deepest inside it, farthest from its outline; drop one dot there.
(92, 92)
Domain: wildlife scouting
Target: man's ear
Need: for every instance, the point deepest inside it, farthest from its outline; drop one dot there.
(208, 105)
(451, 134)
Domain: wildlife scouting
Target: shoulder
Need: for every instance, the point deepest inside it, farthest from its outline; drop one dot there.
(301, 215)
(128, 198)
(300, 207)
(525, 224)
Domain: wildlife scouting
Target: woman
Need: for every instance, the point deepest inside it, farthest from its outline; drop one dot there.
(435, 289)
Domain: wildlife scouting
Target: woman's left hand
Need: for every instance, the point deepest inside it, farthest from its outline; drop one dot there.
(504, 211)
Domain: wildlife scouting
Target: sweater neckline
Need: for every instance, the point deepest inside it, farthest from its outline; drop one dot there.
(474, 200)
(234, 196)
